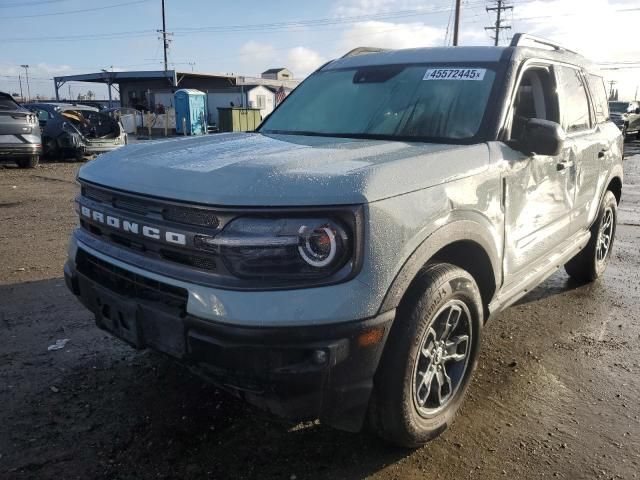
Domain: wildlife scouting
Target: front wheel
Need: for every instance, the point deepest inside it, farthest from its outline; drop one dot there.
(429, 357)
(592, 261)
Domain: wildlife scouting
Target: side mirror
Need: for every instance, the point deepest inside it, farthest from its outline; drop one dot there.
(543, 137)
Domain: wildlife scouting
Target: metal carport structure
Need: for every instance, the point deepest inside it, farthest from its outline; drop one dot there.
(111, 78)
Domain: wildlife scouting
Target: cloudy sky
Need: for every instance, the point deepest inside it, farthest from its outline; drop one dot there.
(57, 37)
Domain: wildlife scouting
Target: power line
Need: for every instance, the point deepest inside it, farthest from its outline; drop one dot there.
(84, 10)
(29, 4)
(500, 6)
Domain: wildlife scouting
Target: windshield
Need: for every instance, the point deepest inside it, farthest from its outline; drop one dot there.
(421, 102)
(619, 107)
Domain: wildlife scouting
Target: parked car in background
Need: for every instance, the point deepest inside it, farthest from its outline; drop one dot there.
(77, 130)
(626, 115)
(340, 262)
(19, 133)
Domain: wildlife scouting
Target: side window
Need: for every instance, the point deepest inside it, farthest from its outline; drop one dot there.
(574, 101)
(536, 97)
(599, 95)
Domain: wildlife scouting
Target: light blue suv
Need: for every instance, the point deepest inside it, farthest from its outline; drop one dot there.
(340, 262)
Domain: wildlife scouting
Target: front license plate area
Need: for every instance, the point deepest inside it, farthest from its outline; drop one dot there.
(119, 317)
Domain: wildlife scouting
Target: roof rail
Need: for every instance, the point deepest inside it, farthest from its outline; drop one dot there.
(364, 51)
(520, 38)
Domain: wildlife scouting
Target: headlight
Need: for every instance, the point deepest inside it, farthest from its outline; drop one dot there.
(276, 251)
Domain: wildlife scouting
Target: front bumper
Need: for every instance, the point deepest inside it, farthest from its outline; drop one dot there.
(297, 372)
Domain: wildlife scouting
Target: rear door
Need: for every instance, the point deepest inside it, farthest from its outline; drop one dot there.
(586, 142)
(14, 120)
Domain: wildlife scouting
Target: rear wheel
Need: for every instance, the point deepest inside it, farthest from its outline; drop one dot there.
(28, 162)
(429, 357)
(592, 261)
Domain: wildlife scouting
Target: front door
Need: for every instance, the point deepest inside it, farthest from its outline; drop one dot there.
(539, 189)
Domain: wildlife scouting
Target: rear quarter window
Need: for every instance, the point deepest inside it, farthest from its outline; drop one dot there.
(599, 96)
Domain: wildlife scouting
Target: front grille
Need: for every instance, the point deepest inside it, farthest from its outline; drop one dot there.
(196, 261)
(183, 218)
(200, 217)
(129, 284)
(191, 216)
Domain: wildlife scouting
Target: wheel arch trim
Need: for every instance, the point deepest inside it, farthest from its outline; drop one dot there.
(458, 231)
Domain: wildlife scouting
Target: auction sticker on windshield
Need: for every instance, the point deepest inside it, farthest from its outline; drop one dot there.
(455, 74)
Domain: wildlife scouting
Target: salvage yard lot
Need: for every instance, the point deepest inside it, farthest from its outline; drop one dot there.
(555, 394)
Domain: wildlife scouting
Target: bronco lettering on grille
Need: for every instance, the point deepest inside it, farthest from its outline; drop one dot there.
(129, 226)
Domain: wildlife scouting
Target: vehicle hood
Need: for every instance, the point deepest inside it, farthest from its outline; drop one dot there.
(254, 169)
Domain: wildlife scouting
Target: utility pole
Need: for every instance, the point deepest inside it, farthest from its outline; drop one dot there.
(456, 24)
(611, 84)
(165, 39)
(20, 82)
(500, 6)
(26, 71)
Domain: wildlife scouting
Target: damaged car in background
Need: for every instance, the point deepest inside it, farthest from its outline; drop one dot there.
(77, 131)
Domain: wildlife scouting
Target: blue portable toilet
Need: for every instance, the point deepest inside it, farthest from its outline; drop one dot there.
(191, 111)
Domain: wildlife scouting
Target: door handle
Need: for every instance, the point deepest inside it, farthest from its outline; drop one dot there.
(563, 166)
(602, 152)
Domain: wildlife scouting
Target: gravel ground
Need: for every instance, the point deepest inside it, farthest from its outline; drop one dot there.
(555, 395)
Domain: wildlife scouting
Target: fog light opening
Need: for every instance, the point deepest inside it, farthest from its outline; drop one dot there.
(320, 357)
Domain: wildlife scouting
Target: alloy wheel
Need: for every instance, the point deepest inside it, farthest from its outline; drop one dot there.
(605, 234)
(442, 359)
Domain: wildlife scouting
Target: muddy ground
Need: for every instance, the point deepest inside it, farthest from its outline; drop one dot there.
(556, 393)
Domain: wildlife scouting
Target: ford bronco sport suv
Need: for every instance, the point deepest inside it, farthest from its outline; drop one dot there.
(340, 262)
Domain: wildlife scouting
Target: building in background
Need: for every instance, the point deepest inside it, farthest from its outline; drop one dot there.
(278, 74)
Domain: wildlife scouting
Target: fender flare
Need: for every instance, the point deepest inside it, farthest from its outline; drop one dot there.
(461, 230)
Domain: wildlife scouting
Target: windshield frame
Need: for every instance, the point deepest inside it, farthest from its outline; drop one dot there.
(485, 130)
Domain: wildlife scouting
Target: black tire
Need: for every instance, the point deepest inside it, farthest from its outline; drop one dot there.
(590, 263)
(395, 412)
(625, 136)
(28, 162)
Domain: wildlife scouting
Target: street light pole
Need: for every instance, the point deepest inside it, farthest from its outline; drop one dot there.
(26, 72)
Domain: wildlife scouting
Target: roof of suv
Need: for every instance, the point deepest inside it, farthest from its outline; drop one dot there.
(523, 47)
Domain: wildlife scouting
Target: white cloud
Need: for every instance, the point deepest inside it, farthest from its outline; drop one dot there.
(391, 35)
(256, 57)
(302, 61)
(253, 51)
(368, 7)
(47, 69)
(595, 29)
